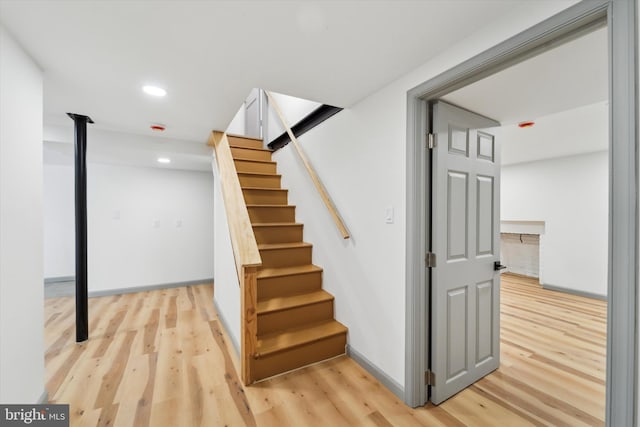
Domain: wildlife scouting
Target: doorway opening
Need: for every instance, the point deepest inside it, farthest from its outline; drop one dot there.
(570, 24)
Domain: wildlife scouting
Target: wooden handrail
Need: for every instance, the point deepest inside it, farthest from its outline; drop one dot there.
(245, 250)
(333, 211)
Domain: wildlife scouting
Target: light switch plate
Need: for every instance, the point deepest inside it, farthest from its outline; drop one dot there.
(388, 215)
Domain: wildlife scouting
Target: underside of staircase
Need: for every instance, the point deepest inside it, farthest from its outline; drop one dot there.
(295, 323)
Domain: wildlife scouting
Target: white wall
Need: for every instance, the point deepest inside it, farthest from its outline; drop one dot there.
(59, 222)
(360, 154)
(227, 287)
(21, 291)
(570, 194)
(146, 226)
(237, 125)
(150, 226)
(293, 109)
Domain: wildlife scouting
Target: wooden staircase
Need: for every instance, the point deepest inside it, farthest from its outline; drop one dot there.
(295, 323)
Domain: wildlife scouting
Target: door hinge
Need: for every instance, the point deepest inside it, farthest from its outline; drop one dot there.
(430, 259)
(429, 378)
(431, 141)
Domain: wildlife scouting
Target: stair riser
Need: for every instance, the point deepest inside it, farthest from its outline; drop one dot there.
(265, 197)
(247, 153)
(298, 316)
(280, 234)
(268, 181)
(272, 214)
(255, 167)
(300, 356)
(242, 142)
(289, 257)
(272, 287)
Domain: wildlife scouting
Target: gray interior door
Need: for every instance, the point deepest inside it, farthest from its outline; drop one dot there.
(253, 115)
(465, 231)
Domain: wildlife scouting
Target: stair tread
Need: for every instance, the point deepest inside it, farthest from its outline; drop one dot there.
(260, 174)
(287, 245)
(287, 271)
(290, 301)
(253, 205)
(253, 160)
(264, 188)
(295, 337)
(277, 224)
(250, 148)
(235, 135)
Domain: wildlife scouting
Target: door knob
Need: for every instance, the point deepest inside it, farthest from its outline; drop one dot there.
(497, 266)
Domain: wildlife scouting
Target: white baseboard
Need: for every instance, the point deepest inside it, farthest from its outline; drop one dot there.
(574, 292)
(135, 289)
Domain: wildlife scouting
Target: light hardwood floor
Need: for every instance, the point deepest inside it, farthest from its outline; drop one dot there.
(161, 358)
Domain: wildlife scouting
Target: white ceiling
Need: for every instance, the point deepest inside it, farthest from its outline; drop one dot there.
(209, 54)
(572, 75)
(125, 149)
(564, 90)
(568, 133)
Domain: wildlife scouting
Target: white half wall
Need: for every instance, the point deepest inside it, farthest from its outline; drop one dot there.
(571, 196)
(22, 372)
(146, 226)
(226, 295)
(360, 154)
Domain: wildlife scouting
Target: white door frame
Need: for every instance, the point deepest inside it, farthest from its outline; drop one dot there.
(620, 16)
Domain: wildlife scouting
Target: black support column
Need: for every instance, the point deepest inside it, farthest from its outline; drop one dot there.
(82, 303)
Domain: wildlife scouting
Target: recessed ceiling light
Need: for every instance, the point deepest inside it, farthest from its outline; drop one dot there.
(154, 90)
(164, 160)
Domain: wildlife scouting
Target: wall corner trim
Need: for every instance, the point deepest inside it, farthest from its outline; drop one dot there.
(376, 372)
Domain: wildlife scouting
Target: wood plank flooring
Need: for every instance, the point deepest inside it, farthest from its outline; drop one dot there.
(161, 358)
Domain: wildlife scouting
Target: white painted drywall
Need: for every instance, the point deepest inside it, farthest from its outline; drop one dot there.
(293, 109)
(227, 285)
(236, 127)
(360, 154)
(21, 291)
(570, 194)
(146, 226)
(59, 221)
